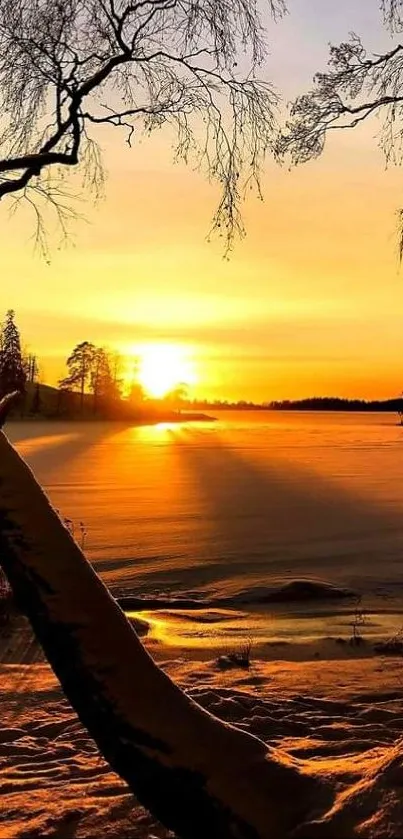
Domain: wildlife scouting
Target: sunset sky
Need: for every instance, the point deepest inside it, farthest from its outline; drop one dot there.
(311, 303)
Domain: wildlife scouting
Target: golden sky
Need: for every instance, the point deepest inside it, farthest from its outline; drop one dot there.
(311, 303)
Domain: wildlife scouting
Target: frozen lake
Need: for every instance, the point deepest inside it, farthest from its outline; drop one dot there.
(232, 508)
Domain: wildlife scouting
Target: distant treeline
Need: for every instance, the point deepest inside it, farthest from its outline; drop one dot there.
(224, 405)
(315, 403)
(329, 403)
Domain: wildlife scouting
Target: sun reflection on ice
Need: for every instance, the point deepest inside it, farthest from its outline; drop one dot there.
(161, 432)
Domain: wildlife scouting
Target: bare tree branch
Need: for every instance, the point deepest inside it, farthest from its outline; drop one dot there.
(67, 65)
(355, 87)
(393, 14)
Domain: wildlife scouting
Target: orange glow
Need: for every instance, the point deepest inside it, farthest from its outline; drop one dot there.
(311, 303)
(164, 367)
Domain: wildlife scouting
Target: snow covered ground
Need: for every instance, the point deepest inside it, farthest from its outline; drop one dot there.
(341, 718)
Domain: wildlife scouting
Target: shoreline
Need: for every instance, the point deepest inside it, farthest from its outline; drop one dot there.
(296, 621)
(208, 635)
(299, 620)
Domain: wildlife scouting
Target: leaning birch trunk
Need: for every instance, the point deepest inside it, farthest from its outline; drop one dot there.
(199, 776)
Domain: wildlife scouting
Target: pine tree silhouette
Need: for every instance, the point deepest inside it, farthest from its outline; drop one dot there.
(12, 372)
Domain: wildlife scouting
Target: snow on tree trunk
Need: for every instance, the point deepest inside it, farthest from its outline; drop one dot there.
(199, 776)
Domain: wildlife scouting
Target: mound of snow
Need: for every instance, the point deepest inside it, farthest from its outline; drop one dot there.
(294, 591)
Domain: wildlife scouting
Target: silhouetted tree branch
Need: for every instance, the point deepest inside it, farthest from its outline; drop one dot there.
(67, 66)
(356, 86)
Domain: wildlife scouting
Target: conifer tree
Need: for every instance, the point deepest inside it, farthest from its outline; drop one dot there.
(12, 371)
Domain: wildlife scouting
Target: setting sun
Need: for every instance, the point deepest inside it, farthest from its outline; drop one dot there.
(163, 367)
